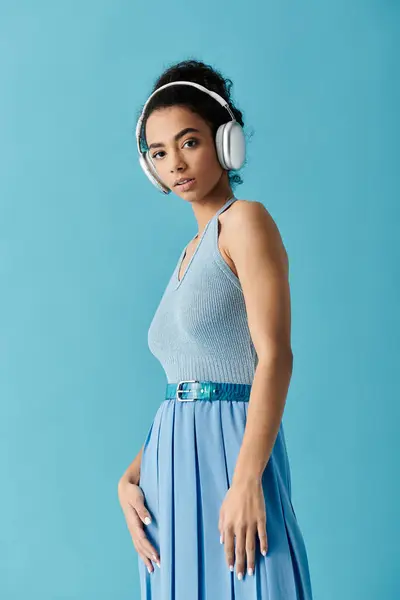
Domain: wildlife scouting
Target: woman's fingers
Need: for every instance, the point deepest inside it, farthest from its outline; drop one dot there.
(142, 511)
(229, 547)
(140, 540)
(240, 551)
(250, 549)
(132, 500)
(146, 546)
(147, 562)
(262, 534)
(235, 549)
(240, 547)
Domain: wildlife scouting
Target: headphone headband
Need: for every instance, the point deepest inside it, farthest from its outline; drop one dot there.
(214, 95)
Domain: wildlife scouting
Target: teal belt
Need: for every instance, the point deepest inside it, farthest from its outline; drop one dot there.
(207, 390)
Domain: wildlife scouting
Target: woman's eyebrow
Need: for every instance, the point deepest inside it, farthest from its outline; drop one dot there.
(176, 137)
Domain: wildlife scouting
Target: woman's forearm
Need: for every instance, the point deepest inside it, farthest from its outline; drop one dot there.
(266, 406)
(132, 473)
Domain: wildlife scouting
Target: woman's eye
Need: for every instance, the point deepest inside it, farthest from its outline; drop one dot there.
(187, 142)
(195, 141)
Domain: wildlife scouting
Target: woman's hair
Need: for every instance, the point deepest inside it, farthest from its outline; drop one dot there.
(194, 99)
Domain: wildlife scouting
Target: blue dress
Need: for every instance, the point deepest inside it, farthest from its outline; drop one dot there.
(200, 331)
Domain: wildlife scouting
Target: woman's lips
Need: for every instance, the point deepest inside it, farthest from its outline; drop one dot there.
(186, 186)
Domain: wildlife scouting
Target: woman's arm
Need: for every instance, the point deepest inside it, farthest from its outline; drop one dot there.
(132, 473)
(254, 244)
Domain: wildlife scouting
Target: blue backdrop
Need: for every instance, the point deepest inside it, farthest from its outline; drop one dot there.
(87, 246)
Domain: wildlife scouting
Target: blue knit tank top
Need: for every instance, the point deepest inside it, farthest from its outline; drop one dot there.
(200, 328)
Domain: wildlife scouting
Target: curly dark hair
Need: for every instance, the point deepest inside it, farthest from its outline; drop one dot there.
(197, 101)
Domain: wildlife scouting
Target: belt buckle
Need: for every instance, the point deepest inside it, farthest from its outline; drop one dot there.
(186, 391)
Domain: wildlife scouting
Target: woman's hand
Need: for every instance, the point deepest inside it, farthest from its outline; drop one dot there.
(132, 503)
(242, 516)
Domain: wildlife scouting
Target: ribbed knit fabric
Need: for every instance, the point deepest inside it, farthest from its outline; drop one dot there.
(200, 328)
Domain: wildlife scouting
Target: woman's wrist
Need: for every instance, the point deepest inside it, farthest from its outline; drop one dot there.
(130, 477)
(132, 473)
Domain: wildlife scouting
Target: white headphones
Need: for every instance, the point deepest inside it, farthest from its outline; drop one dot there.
(229, 139)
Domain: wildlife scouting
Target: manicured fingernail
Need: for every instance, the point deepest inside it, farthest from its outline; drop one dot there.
(231, 567)
(149, 570)
(250, 571)
(147, 520)
(220, 539)
(240, 575)
(264, 552)
(155, 560)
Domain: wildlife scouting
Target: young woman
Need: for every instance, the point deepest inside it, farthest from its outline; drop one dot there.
(211, 483)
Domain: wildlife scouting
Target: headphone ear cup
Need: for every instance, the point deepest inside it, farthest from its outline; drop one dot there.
(151, 173)
(231, 145)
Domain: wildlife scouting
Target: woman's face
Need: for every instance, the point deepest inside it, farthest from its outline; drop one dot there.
(180, 145)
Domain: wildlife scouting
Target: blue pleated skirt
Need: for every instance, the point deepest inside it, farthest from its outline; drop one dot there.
(188, 460)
